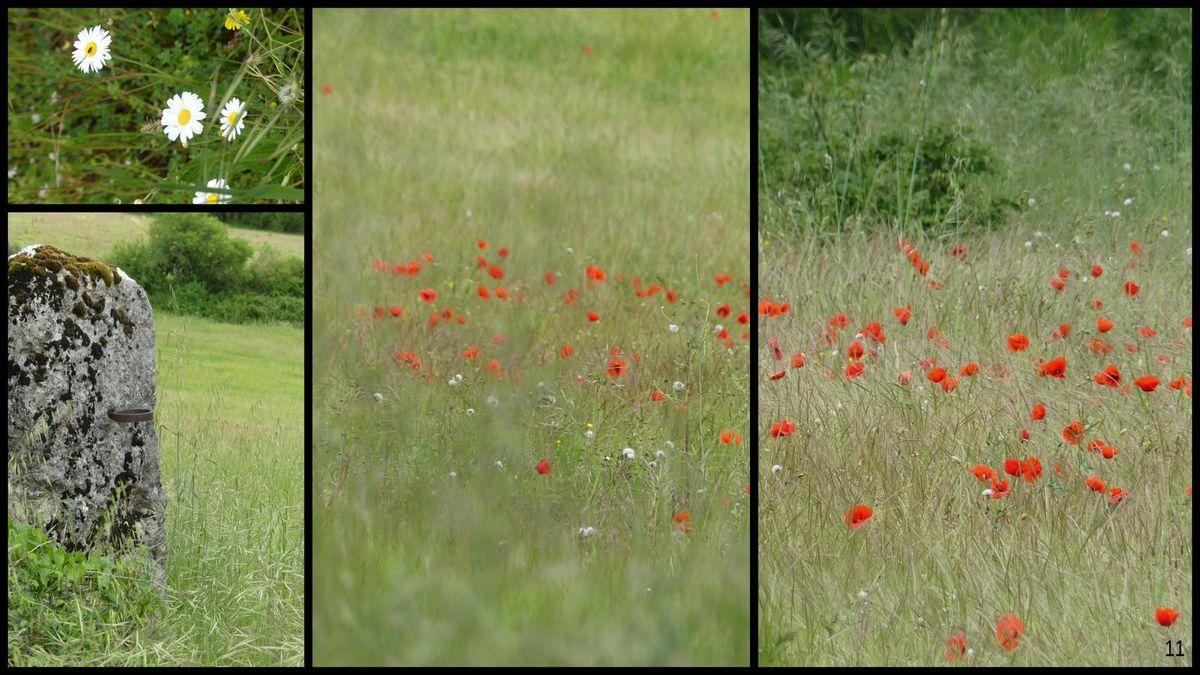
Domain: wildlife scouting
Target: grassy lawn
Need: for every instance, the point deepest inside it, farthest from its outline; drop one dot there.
(94, 234)
(561, 140)
(1094, 146)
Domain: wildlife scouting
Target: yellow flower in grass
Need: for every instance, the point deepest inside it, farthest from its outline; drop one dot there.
(236, 19)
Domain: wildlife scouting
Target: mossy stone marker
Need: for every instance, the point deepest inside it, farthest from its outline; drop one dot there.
(82, 452)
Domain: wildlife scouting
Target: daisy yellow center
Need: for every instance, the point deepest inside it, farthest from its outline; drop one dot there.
(212, 198)
(90, 49)
(185, 116)
(232, 117)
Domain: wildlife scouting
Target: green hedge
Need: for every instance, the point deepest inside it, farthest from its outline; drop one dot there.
(189, 264)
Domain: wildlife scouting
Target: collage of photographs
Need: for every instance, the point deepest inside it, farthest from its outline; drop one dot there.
(738, 337)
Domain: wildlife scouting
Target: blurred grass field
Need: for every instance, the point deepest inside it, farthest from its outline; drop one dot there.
(230, 416)
(1087, 116)
(77, 137)
(612, 138)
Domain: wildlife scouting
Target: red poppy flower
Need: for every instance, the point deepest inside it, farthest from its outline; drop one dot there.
(684, 520)
(1061, 332)
(853, 370)
(565, 351)
(857, 515)
(1012, 466)
(1165, 616)
(855, 351)
(778, 374)
(1024, 435)
(1147, 383)
(1055, 367)
(1094, 484)
(1000, 489)
(723, 311)
(1058, 284)
(937, 375)
(1117, 495)
(782, 428)
(543, 467)
(327, 89)
(1072, 432)
(593, 317)
(949, 384)
(983, 472)
(905, 377)
(1131, 288)
(956, 646)
(1109, 377)
(616, 368)
(1031, 469)
(471, 353)
(657, 396)
(798, 360)
(1038, 412)
(1017, 342)
(903, 314)
(1009, 630)
(1097, 271)
(1104, 325)
(1147, 331)
(969, 369)
(429, 295)
(728, 437)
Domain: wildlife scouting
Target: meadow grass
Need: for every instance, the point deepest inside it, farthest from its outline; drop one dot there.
(938, 557)
(500, 126)
(78, 137)
(230, 416)
(93, 235)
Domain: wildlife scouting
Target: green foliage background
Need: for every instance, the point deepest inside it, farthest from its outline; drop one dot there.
(96, 137)
(946, 121)
(189, 264)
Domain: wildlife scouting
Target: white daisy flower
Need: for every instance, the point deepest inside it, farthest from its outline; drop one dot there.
(233, 119)
(91, 49)
(213, 197)
(628, 453)
(776, 469)
(1129, 201)
(378, 397)
(181, 118)
(673, 328)
(587, 531)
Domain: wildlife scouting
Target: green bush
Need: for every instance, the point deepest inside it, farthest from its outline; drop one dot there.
(64, 603)
(189, 264)
(936, 180)
(197, 247)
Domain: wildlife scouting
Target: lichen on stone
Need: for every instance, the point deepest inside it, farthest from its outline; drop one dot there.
(49, 262)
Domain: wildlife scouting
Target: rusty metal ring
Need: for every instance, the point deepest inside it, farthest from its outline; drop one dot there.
(125, 415)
